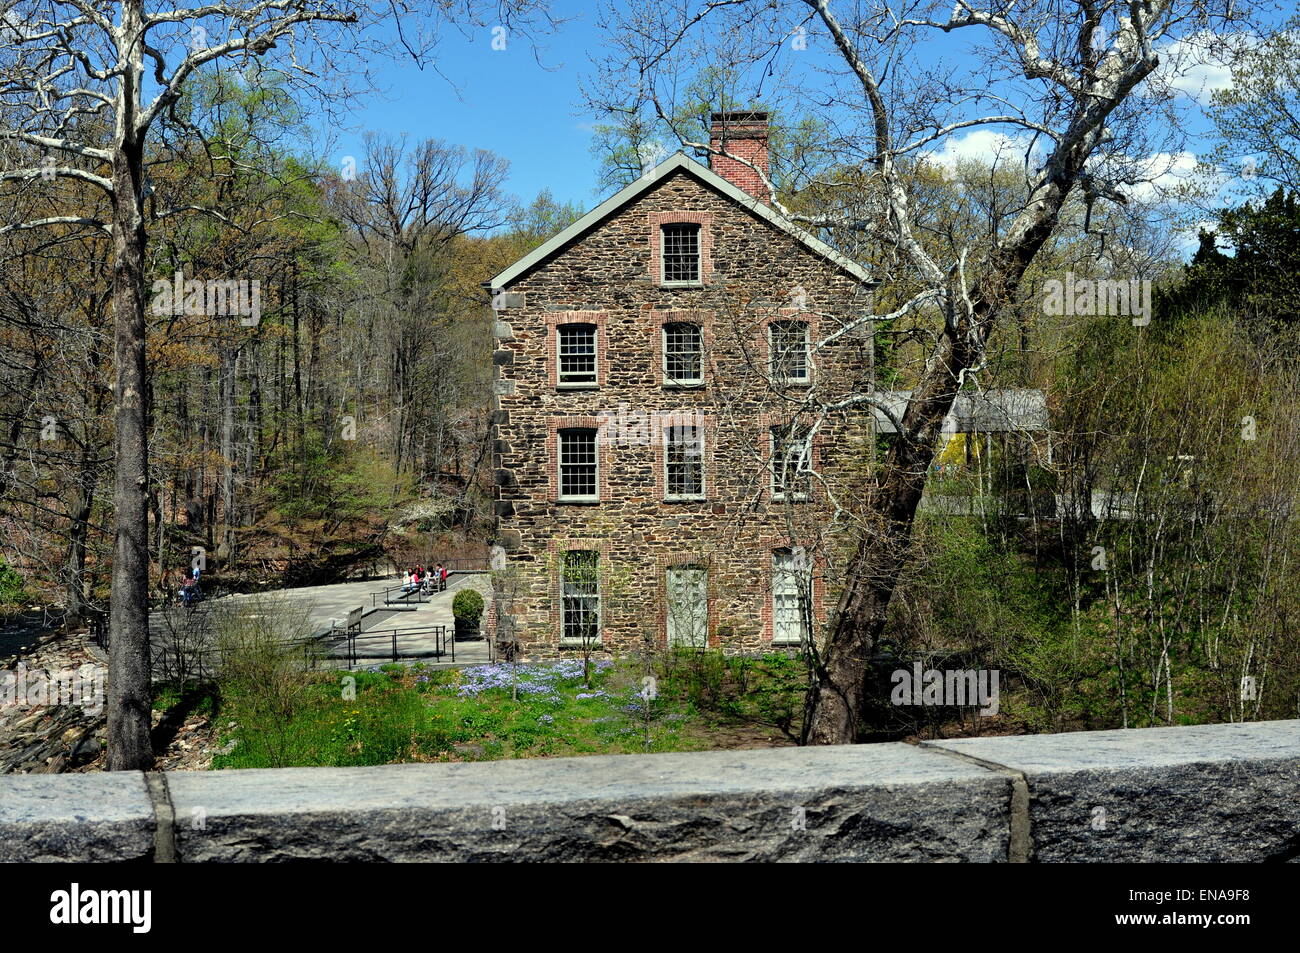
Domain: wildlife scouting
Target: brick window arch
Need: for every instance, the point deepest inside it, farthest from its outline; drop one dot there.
(577, 346)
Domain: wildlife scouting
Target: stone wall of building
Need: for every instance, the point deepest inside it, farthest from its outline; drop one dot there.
(754, 273)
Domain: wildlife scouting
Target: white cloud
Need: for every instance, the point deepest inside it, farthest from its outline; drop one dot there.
(982, 145)
(1200, 63)
(1159, 175)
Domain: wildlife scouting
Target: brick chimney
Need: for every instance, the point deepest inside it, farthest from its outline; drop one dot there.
(744, 135)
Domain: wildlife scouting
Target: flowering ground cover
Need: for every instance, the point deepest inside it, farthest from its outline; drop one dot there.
(399, 713)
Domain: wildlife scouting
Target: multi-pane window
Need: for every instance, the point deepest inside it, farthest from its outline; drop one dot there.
(791, 462)
(684, 461)
(687, 591)
(680, 253)
(580, 596)
(578, 473)
(788, 346)
(683, 354)
(791, 597)
(577, 354)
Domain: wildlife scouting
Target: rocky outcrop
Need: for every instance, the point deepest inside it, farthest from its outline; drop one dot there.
(40, 734)
(40, 737)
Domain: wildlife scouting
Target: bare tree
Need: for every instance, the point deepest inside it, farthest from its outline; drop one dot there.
(69, 65)
(1059, 77)
(408, 213)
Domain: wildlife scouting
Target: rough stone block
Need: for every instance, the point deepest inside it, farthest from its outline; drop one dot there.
(1195, 793)
(75, 817)
(870, 802)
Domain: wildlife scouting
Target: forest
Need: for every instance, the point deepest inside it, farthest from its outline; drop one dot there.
(345, 430)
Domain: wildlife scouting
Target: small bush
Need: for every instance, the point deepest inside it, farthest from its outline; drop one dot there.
(262, 668)
(12, 590)
(468, 606)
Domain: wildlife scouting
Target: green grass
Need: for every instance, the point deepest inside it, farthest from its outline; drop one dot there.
(410, 713)
(198, 698)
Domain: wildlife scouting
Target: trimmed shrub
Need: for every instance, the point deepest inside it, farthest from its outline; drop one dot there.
(468, 606)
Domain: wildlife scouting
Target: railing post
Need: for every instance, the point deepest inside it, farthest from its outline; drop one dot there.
(394, 645)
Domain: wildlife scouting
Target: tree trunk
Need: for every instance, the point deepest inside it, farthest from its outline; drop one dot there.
(837, 696)
(229, 371)
(78, 532)
(129, 685)
(836, 700)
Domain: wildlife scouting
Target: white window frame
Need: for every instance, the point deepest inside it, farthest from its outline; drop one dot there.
(559, 466)
(773, 358)
(698, 588)
(699, 436)
(596, 596)
(778, 465)
(698, 282)
(669, 380)
(796, 570)
(560, 382)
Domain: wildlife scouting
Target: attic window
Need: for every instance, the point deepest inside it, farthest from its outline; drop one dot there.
(680, 253)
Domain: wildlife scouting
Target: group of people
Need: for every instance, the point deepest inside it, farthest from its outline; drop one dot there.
(420, 579)
(190, 592)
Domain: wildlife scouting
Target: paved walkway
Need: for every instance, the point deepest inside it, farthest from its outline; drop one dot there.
(414, 622)
(412, 628)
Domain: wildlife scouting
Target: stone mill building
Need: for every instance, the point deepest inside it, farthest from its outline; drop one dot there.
(666, 469)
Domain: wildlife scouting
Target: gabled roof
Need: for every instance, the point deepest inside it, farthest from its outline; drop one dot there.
(675, 162)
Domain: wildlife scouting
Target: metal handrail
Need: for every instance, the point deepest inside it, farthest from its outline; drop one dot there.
(441, 641)
(419, 593)
(469, 564)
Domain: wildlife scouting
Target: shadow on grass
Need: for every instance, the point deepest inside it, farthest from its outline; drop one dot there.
(180, 704)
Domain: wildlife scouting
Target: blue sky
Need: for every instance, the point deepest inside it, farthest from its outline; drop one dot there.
(504, 101)
(501, 100)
